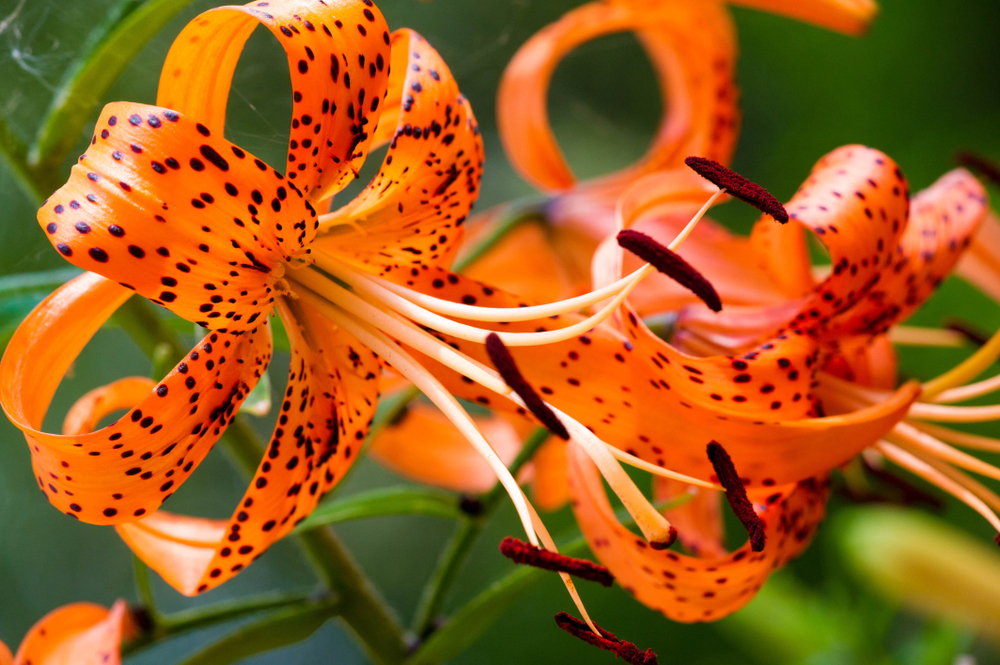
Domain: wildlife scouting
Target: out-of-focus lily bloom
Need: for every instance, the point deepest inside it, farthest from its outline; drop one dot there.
(162, 205)
(76, 634)
(693, 48)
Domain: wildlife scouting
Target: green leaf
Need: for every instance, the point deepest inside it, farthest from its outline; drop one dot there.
(384, 502)
(108, 50)
(19, 294)
(276, 630)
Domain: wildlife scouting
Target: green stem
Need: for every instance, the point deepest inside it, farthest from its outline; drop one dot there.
(360, 605)
(199, 617)
(15, 155)
(456, 553)
(145, 590)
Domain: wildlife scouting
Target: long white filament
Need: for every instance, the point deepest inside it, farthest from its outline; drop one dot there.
(432, 388)
(909, 461)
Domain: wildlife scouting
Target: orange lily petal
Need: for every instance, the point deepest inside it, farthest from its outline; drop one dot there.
(338, 58)
(90, 409)
(412, 212)
(649, 399)
(699, 522)
(77, 634)
(165, 207)
(943, 219)
(857, 201)
(865, 362)
(686, 588)
(550, 486)
(426, 447)
(6, 657)
(692, 48)
(980, 265)
(127, 469)
(852, 17)
(329, 402)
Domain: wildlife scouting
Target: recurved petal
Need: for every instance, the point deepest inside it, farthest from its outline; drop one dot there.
(699, 523)
(125, 470)
(686, 588)
(550, 486)
(943, 220)
(692, 48)
(980, 265)
(163, 205)
(329, 401)
(857, 201)
(852, 17)
(77, 634)
(338, 58)
(411, 214)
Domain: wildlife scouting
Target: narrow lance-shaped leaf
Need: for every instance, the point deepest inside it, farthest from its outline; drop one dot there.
(109, 49)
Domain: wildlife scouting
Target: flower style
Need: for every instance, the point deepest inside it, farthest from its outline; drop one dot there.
(692, 46)
(161, 204)
(77, 634)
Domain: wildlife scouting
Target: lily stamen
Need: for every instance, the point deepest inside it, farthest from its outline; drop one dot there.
(524, 553)
(512, 376)
(738, 187)
(607, 640)
(736, 494)
(670, 264)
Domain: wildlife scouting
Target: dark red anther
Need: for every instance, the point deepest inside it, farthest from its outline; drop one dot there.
(986, 167)
(670, 264)
(738, 186)
(996, 539)
(968, 331)
(521, 552)
(737, 495)
(504, 362)
(627, 651)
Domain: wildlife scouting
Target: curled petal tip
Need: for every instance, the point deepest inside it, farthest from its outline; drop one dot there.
(738, 186)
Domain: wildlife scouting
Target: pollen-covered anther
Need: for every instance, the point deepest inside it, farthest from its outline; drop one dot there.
(996, 539)
(504, 362)
(670, 264)
(521, 552)
(738, 186)
(737, 495)
(627, 651)
(986, 167)
(968, 331)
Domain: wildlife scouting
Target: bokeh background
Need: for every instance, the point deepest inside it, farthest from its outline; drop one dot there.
(922, 84)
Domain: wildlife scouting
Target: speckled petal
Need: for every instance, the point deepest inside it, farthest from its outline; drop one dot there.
(650, 399)
(125, 470)
(980, 265)
(411, 214)
(338, 58)
(943, 220)
(161, 204)
(77, 634)
(692, 47)
(687, 588)
(328, 404)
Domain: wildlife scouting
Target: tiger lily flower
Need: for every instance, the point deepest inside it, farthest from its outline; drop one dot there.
(162, 205)
(692, 46)
(76, 634)
(888, 254)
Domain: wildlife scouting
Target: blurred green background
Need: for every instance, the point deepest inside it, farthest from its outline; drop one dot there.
(925, 82)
